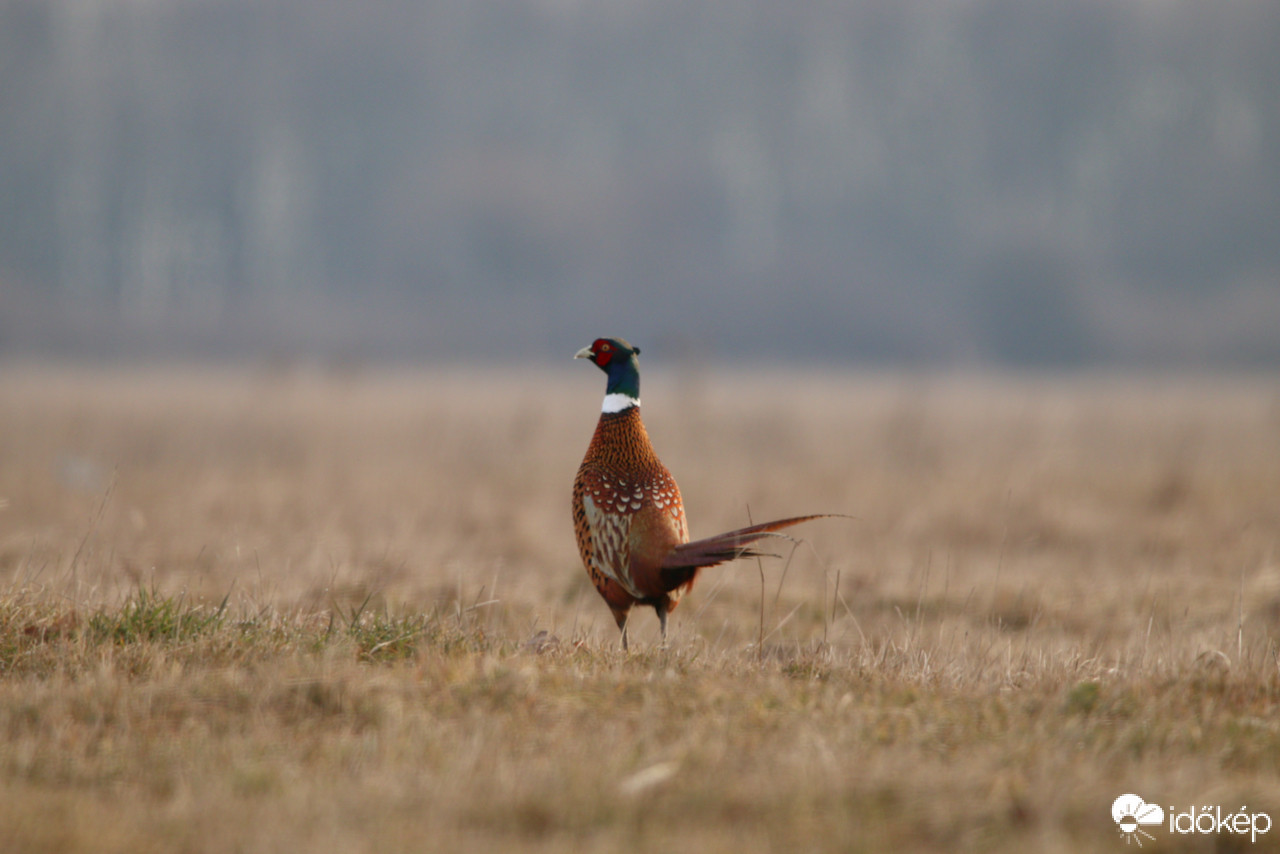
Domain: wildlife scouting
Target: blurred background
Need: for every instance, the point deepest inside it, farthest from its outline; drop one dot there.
(933, 182)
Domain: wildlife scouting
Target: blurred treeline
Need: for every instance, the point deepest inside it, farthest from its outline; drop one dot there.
(923, 181)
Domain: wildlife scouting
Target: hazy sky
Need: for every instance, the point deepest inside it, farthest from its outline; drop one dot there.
(921, 183)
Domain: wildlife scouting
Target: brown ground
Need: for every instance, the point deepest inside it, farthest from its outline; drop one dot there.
(1056, 592)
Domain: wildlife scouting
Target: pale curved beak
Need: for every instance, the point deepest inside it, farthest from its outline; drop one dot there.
(584, 353)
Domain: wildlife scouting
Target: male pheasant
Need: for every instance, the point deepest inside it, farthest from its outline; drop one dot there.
(627, 511)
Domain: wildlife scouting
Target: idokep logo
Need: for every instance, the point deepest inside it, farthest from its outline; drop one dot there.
(1136, 818)
(1132, 813)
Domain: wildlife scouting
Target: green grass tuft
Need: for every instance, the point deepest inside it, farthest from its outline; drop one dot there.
(1083, 698)
(381, 637)
(151, 617)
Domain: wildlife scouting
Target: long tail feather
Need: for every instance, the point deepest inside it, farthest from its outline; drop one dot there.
(728, 546)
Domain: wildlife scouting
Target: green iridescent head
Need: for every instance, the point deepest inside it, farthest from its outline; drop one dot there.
(617, 358)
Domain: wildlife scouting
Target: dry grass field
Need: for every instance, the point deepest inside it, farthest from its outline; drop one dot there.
(284, 610)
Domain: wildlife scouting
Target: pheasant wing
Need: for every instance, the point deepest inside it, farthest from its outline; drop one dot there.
(610, 555)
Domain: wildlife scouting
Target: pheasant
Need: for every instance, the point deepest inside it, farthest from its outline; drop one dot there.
(627, 512)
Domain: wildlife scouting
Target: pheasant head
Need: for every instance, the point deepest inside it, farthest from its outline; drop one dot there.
(620, 362)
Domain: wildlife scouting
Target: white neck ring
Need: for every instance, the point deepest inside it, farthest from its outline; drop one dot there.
(618, 402)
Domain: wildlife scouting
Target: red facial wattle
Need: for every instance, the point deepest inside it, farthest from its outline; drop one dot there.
(603, 352)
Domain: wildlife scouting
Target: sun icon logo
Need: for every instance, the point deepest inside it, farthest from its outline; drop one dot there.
(1132, 813)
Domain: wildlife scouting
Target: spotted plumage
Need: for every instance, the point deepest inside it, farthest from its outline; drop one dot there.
(627, 512)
